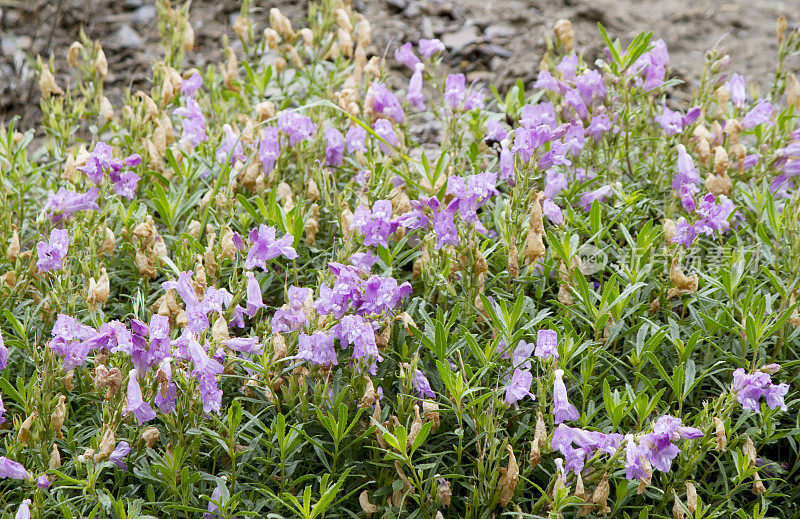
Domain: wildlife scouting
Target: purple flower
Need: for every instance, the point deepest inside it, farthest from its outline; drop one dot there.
(555, 182)
(193, 123)
(546, 344)
(269, 148)
(406, 56)
(265, 247)
(317, 348)
(421, 384)
(528, 140)
(714, 213)
(190, 86)
(126, 185)
(248, 345)
(552, 211)
(120, 451)
(475, 100)
(353, 329)
(533, 116)
(578, 445)
(42, 482)
(575, 138)
(519, 387)
(292, 316)
(445, 228)
(136, 405)
(684, 233)
(254, 299)
(495, 131)
(101, 158)
(414, 97)
(51, 253)
(298, 127)
(557, 156)
(633, 460)
(376, 225)
(600, 194)
(506, 162)
(736, 88)
(591, 85)
(205, 369)
(562, 409)
(749, 389)
(2, 410)
(520, 357)
(64, 203)
(355, 139)
(471, 194)
(430, 47)
(385, 103)
(758, 115)
(573, 99)
(686, 171)
(24, 510)
(363, 261)
(670, 121)
(568, 66)
(3, 353)
(775, 394)
(454, 90)
(216, 496)
(383, 129)
(230, 147)
(334, 147)
(546, 81)
(599, 125)
(12, 469)
(657, 447)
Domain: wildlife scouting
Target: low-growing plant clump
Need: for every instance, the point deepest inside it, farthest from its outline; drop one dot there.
(256, 290)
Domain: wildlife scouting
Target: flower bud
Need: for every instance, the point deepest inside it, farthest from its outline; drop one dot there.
(100, 64)
(669, 229)
(366, 506)
(363, 31)
(107, 445)
(106, 110)
(780, 28)
(343, 20)
(47, 83)
(307, 35)
(98, 291)
(722, 439)
(241, 26)
(55, 458)
(12, 252)
(600, 496)
(677, 509)
(271, 37)
(188, 36)
(265, 110)
(691, 497)
(723, 96)
(74, 53)
(25, 429)
(58, 416)
(565, 34)
(792, 91)
(345, 43)
(150, 436)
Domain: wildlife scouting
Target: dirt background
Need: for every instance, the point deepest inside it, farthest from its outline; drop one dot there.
(493, 41)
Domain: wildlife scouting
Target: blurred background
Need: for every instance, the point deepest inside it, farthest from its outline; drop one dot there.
(491, 41)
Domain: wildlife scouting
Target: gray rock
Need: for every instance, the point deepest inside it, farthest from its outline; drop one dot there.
(459, 39)
(127, 38)
(144, 15)
(499, 31)
(134, 4)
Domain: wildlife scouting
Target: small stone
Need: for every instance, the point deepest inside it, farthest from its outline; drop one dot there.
(128, 38)
(134, 4)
